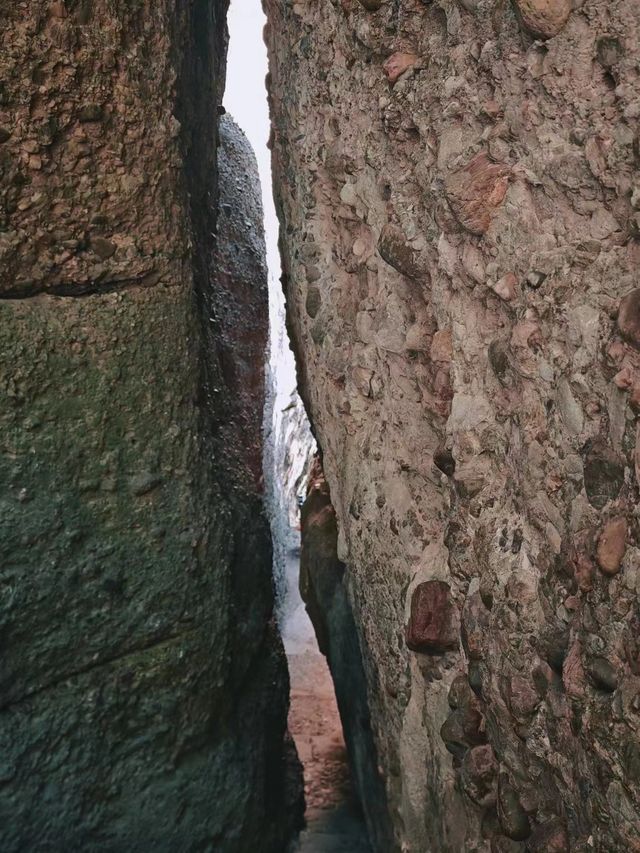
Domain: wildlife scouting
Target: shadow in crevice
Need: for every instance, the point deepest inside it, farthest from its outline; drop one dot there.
(329, 702)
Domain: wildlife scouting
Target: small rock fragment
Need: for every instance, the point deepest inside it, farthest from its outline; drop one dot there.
(629, 317)
(394, 248)
(442, 346)
(142, 484)
(397, 64)
(102, 247)
(433, 625)
(505, 287)
(543, 18)
(612, 545)
(476, 191)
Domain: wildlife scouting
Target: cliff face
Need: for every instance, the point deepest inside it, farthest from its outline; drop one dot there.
(142, 685)
(458, 191)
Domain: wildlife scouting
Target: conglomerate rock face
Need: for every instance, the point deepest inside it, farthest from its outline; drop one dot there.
(458, 189)
(142, 683)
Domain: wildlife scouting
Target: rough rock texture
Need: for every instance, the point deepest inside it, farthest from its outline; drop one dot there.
(461, 257)
(323, 586)
(142, 684)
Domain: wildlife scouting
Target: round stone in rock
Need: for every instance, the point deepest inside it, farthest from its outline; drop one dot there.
(629, 317)
(543, 18)
(433, 624)
(313, 302)
(612, 545)
(603, 674)
(479, 774)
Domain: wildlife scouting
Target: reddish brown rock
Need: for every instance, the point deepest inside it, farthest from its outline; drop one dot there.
(523, 698)
(475, 191)
(612, 545)
(629, 317)
(433, 626)
(397, 64)
(505, 287)
(543, 18)
(479, 775)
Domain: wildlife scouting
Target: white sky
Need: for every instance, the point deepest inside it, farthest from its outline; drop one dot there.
(245, 99)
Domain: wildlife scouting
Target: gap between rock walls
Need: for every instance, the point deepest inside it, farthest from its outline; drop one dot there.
(423, 616)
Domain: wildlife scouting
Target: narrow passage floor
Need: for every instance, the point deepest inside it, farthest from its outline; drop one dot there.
(334, 821)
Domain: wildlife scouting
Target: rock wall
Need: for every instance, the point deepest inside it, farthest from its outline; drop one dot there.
(142, 684)
(327, 602)
(458, 191)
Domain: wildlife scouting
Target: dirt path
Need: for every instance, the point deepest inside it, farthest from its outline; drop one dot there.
(334, 823)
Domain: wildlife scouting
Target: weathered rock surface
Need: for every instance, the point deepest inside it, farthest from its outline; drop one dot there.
(142, 683)
(486, 193)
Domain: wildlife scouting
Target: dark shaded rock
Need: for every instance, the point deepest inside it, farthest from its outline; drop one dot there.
(513, 818)
(371, 5)
(464, 727)
(499, 358)
(90, 113)
(396, 251)
(603, 674)
(433, 625)
(102, 247)
(549, 837)
(629, 317)
(143, 685)
(313, 302)
(443, 459)
(476, 677)
(603, 474)
(609, 51)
